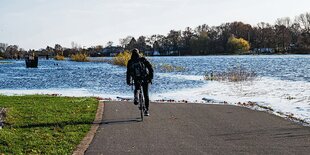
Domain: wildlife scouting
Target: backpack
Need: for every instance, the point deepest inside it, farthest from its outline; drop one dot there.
(138, 70)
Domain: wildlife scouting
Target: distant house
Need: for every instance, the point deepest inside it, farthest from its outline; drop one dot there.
(173, 52)
(263, 51)
(151, 53)
(112, 50)
(156, 53)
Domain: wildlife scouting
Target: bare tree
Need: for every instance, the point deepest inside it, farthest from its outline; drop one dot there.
(75, 46)
(132, 44)
(58, 49)
(283, 33)
(125, 41)
(3, 47)
(109, 44)
(141, 44)
(187, 36)
(174, 38)
(286, 21)
(304, 21)
(11, 51)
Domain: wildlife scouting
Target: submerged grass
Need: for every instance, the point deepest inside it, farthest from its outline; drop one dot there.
(45, 124)
(5, 62)
(102, 60)
(170, 68)
(232, 75)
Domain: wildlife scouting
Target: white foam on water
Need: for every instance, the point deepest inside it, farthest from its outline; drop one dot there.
(288, 97)
(179, 76)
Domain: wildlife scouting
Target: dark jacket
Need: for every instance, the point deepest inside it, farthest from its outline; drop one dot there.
(147, 64)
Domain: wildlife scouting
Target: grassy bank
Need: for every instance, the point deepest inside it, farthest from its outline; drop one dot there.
(45, 124)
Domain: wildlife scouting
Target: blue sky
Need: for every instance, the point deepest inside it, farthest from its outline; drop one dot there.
(34, 24)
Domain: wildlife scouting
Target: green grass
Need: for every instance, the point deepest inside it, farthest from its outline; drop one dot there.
(45, 124)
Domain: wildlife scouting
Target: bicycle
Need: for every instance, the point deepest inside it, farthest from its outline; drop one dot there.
(141, 102)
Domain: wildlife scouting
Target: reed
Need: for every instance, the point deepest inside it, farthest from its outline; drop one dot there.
(122, 58)
(80, 57)
(59, 57)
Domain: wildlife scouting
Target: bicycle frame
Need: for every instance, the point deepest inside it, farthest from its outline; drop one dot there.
(141, 101)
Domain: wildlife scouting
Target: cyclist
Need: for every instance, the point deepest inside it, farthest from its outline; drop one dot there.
(140, 70)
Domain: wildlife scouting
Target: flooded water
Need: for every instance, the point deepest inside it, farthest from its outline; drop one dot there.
(283, 81)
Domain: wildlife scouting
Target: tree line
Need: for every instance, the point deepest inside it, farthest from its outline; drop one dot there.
(286, 35)
(14, 52)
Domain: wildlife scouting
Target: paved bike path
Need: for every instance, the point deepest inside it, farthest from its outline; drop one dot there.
(174, 128)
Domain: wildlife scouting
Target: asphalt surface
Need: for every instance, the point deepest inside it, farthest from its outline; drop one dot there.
(174, 128)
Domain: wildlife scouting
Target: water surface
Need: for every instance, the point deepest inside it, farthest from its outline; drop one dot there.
(283, 81)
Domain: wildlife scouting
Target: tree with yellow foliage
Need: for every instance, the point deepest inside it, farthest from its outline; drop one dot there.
(238, 45)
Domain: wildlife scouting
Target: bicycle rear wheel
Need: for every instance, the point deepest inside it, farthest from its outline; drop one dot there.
(141, 105)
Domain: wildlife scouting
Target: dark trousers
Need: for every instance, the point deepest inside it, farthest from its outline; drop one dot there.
(145, 89)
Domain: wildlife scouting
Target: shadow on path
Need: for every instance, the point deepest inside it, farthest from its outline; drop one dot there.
(65, 123)
(121, 121)
(54, 124)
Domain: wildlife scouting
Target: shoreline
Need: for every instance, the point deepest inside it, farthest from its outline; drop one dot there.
(109, 57)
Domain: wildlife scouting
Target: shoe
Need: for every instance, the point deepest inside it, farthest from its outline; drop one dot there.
(146, 113)
(136, 101)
